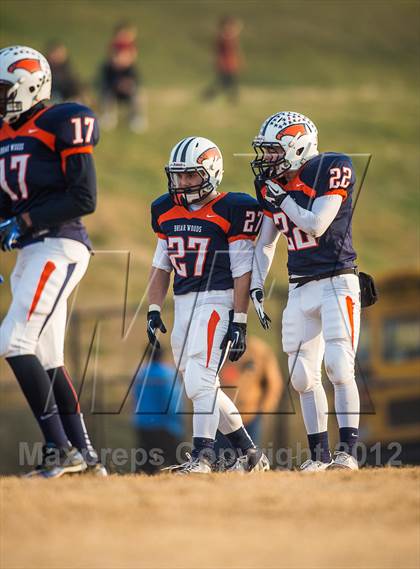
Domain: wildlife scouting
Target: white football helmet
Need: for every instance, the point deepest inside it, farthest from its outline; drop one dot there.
(194, 154)
(297, 139)
(25, 80)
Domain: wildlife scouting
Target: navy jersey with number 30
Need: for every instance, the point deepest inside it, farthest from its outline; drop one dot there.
(198, 241)
(326, 174)
(33, 161)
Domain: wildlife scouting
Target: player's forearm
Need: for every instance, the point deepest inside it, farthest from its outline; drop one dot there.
(241, 293)
(158, 286)
(317, 220)
(264, 253)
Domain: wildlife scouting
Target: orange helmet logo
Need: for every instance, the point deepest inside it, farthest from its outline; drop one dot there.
(210, 153)
(292, 130)
(30, 65)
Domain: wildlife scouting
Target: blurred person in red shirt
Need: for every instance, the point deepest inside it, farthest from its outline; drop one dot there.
(228, 60)
(121, 81)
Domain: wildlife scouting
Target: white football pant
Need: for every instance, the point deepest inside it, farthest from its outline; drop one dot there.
(321, 322)
(201, 322)
(44, 276)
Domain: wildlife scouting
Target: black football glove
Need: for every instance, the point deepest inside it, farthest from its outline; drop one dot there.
(154, 323)
(10, 231)
(274, 193)
(235, 340)
(257, 297)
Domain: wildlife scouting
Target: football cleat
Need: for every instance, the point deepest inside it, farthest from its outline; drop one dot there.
(25, 80)
(191, 466)
(314, 466)
(198, 159)
(343, 460)
(285, 142)
(57, 462)
(253, 461)
(97, 469)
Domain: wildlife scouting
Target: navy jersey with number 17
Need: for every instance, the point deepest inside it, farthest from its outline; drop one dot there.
(198, 241)
(324, 175)
(33, 164)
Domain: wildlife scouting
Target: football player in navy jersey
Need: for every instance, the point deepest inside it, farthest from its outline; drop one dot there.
(47, 182)
(307, 197)
(206, 238)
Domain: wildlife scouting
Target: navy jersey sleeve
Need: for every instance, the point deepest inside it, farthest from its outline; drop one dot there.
(75, 126)
(76, 132)
(158, 207)
(336, 177)
(245, 216)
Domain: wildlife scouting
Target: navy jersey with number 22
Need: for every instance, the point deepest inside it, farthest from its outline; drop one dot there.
(326, 174)
(198, 241)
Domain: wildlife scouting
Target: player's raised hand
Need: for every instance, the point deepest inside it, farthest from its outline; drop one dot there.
(236, 337)
(154, 323)
(274, 193)
(10, 231)
(257, 297)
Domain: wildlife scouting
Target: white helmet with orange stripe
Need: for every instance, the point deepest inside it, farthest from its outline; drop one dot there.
(25, 80)
(194, 171)
(285, 142)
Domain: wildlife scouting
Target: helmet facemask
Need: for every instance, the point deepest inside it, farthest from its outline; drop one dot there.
(8, 105)
(265, 163)
(187, 195)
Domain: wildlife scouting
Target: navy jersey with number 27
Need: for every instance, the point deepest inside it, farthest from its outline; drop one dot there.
(198, 241)
(326, 174)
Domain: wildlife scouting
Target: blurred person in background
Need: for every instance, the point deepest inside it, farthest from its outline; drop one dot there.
(66, 85)
(158, 412)
(120, 81)
(227, 60)
(259, 386)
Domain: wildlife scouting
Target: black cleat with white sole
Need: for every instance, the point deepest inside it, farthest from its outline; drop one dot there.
(57, 462)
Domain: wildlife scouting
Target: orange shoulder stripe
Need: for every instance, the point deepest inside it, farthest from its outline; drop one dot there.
(337, 192)
(70, 151)
(241, 236)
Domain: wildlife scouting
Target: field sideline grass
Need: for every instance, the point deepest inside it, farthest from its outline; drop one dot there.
(340, 520)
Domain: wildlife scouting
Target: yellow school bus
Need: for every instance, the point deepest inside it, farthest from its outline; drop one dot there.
(389, 367)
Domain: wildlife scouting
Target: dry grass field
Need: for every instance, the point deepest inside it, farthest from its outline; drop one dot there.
(368, 519)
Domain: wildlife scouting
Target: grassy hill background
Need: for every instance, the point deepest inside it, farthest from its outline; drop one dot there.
(351, 66)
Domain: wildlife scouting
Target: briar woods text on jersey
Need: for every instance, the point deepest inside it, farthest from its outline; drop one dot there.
(186, 227)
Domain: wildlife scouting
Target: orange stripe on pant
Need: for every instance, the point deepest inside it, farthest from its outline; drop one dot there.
(211, 329)
(350, 309)
(46, 273)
